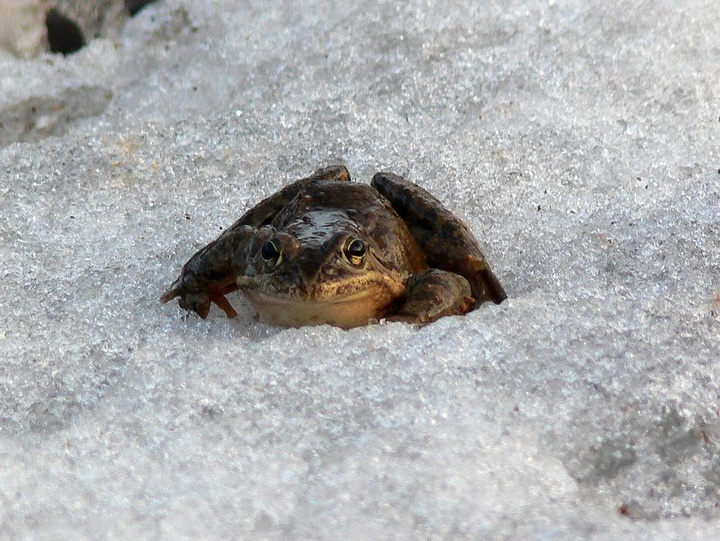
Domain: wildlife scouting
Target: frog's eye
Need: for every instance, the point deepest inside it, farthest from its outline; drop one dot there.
(355, 250)
(270, 252)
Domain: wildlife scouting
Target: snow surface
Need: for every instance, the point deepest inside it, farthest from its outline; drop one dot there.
(578, 140)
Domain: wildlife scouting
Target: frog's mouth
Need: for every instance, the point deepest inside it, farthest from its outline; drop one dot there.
(342, 305)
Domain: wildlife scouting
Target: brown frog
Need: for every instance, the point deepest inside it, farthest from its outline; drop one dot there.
(325, 250)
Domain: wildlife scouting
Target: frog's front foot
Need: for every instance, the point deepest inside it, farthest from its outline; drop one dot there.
(198, 302)
(433, 294)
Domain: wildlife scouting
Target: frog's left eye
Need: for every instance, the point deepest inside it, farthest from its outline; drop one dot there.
(355, 250)
(270, 252)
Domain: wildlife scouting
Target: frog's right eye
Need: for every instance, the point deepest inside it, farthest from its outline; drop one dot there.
(270, 252)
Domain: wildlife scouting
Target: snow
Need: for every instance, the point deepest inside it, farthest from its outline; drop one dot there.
(577, 139)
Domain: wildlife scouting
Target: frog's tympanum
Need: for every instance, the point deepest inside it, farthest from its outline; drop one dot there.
(326, 250)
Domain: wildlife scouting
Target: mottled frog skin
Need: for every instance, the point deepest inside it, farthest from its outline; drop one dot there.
(327, 250)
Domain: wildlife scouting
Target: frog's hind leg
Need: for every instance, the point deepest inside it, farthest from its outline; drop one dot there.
(433, 294)
(446, 241)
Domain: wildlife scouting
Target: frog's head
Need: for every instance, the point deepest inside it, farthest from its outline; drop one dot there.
(323, 268)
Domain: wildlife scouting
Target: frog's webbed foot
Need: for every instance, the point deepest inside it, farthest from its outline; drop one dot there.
(433, 294)
(446, 241)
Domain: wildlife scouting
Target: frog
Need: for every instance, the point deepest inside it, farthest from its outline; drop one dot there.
(327, 250)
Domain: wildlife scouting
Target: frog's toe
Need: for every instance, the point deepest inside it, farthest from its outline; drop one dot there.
(198, 303)
(222, 303)
(172, 292)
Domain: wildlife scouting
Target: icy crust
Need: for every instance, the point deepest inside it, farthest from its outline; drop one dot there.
(578, 143)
